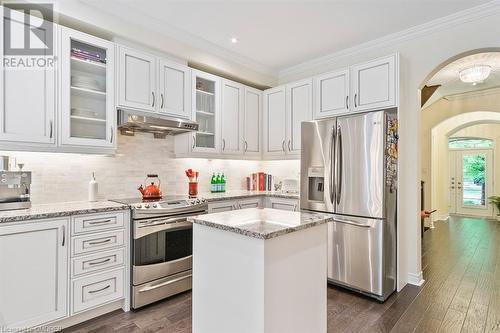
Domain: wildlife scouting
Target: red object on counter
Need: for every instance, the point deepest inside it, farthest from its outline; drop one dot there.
(193, 189)
(151, 191)
(261, 181)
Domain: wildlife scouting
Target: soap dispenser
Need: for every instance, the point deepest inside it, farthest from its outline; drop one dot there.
(93, 188)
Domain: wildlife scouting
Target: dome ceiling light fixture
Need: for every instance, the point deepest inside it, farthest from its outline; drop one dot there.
(475, 74)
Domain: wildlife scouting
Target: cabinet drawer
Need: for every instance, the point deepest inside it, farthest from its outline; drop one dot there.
(249, 203)
(97, 262)
(97, 290)
(91, 223)
(94, 242)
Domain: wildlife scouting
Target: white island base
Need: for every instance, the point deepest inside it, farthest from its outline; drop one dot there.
(246, 284)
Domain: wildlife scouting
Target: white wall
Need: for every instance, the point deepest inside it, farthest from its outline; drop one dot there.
(422, 53)
(61, 177)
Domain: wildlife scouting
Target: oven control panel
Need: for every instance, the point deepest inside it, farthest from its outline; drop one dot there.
(173, 204)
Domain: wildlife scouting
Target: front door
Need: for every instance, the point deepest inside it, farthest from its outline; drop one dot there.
(471, 182)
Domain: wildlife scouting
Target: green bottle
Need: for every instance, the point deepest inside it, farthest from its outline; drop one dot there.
(223, 183)
(218, 183)
(213, 186)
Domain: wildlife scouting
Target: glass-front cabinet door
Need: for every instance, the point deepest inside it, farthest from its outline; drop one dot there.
(206, 111)
(87, 94)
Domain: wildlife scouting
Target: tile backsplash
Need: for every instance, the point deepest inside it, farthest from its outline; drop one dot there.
(58, 177)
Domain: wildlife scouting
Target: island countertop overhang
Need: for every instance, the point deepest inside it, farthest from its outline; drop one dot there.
(262, 223)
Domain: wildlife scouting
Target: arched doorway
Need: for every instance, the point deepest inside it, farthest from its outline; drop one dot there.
(450, 100)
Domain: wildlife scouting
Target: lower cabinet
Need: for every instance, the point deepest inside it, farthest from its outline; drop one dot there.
(267, 202)
(282, 203)
(39, 258)
(34, 266)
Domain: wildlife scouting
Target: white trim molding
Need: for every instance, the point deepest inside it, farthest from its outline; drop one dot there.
(416, 279)
(461, 17)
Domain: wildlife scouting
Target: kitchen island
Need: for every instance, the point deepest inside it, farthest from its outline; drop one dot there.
(260, 270)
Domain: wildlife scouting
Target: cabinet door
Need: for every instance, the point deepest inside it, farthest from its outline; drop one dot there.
(175, 95)
(206, 111)
(137, 80)
(223, 206)
(33, 283)
(87, 114)
(27, 94)
(283, 204)
(249, 203)
(374, 84)
(232, 117)
(252, 122)
(274, 121)
(331, 91)
(299, 109)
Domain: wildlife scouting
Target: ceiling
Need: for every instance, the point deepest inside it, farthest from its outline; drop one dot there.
(448, 76)
(274, 35)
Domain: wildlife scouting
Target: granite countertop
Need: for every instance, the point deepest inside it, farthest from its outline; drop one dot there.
(262, 223)
(43, 211)
(210, 197)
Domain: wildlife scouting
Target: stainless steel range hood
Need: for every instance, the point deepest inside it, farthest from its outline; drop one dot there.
(131, 121)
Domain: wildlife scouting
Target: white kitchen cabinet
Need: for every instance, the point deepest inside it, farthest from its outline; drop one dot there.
(87, 113)
(252, 122)
(222, 206)
(299, 109)
(331, 94)
(137, 80)
(232, 117)
(33, 283)
(374, 84)
(27, 95)
(283, 204)
(206, 111)
(275, 121)
(285, 108)
(249, 203)
(174, 89)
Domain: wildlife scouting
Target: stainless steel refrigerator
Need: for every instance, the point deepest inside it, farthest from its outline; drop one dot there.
(349, 168)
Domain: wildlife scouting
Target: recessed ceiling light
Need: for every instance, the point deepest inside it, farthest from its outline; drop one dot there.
(234, 40)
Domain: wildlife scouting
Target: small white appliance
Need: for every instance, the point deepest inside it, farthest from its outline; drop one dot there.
(290, 185)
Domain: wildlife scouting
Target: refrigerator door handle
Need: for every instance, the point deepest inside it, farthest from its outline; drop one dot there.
(339, 166)
(333, 144)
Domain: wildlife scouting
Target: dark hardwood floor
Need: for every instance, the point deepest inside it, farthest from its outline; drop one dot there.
(461, 293)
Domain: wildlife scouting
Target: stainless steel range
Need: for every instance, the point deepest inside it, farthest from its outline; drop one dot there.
(162, 247)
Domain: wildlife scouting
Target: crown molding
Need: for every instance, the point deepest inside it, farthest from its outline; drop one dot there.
(472, 94)
(119, 9)
(464, 16)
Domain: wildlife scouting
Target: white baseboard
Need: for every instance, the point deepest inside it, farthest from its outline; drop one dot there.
(416, 279)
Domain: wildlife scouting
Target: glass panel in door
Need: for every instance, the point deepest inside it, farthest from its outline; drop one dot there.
(205, 113)
(163, 246)
(473, 180)
(88, 117)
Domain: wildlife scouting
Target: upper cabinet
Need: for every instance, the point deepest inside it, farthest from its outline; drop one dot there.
(206, 111)
(137, 80)
(299, 109)
(275, 121)
(27, 95)
(232, 117)
(252, 122)
(87, 90)
(149, 83)
(374, 85)
(285, 108)
(331, 94)
(174, 89)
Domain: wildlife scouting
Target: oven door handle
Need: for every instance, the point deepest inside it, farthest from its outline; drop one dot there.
(157, 227)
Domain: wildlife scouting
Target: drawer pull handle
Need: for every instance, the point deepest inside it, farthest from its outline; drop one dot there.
(93, 263)
(163, 284)
(100, 222)
(99, 290)
(101, 242)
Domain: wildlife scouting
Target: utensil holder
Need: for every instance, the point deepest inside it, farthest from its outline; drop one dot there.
(193, 189)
